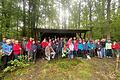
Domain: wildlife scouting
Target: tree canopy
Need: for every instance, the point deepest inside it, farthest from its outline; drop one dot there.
(20, 17)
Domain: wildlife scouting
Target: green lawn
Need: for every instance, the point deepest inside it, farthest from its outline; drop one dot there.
(95, 69)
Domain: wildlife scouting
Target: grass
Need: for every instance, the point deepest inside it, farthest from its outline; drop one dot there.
(95, 69)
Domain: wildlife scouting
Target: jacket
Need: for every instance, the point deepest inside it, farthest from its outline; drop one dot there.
(16, 48)
(6, 48)
(115, 46)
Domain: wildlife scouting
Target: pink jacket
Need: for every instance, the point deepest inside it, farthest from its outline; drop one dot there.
(76, 46)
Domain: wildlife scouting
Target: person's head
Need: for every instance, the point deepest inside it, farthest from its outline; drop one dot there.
(8, 41)
(44, 40)
(109, 40)
(38, 41)
(114, 42)
(50, 40)
(24, 38)
(80, 40)
(49, 44)
(74, 38)
(33, 42)
(98, 40)
(31, 38)
(16, 41)
(61, 38)
(4, 39)
(74, 41)
(13, 41)
(53, 41)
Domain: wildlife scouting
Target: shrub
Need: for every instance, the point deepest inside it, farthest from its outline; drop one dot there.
(16, 64)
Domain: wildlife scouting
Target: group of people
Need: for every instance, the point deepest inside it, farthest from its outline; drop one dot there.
(11, 49)
(51, 48)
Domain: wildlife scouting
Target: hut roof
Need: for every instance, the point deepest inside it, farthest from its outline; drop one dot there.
(41, 30)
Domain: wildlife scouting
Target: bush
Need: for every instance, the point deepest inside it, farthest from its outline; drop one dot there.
(17, 64)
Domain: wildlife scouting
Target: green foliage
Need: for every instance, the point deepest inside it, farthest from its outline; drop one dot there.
(16, 64)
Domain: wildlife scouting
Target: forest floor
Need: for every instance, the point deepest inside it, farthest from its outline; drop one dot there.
(64, 69)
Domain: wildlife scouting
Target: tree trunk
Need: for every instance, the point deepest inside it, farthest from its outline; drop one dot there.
(24, 19)
(108, 19)
(90, 17)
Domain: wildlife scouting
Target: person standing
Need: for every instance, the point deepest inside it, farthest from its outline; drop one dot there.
(75, 48)
(99, 46)
(23, 46)
(71, 49)
(7, 50)
(33, 51)
(103, 51)
(16, 49)
(28, 46)
(108, 47)
(80, 48)
(116, 47)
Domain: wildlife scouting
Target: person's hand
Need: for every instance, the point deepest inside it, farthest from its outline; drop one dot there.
(9, 53)
(34, 50)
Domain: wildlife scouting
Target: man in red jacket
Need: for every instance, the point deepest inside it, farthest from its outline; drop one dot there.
(115, 47)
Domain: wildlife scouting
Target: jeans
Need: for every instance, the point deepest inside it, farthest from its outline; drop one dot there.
(103, 52)
(5, 60)
(70, 55)
(75, 53)
(99, 53)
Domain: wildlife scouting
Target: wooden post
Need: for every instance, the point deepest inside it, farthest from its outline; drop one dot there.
(84, 35)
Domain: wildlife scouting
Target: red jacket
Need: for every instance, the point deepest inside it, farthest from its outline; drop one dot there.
(115, 46)
(28, 46)
(16, 48)
(44, 44)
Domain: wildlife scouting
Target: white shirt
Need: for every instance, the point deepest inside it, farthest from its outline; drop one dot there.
(71, 47)
(108, 46)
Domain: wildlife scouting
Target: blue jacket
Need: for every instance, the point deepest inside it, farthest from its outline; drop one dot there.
(6, 48)
(80, 46)
(33, 47)
(91, 46)
(1, 43)
(85, 46)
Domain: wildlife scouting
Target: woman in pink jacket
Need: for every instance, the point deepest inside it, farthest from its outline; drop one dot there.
(75, 48)
(16, 49)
